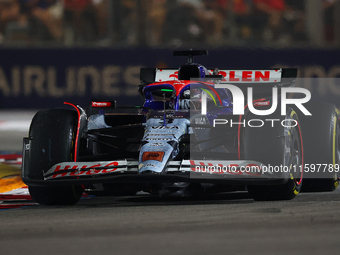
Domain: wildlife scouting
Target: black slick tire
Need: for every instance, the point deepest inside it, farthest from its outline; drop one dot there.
(52, 134)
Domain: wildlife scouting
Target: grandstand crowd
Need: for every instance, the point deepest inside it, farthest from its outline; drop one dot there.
(160, 23)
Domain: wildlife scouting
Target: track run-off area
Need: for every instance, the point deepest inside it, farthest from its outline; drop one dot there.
(229, 223)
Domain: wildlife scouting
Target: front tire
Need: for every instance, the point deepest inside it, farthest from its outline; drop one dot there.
(53, 135)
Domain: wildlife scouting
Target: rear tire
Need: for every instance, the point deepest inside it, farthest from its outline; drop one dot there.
(53, 134)
(276, 146)
(321, 139)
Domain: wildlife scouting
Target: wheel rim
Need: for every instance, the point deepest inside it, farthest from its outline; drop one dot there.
(296, 162)
(293, 157)
(337, 150)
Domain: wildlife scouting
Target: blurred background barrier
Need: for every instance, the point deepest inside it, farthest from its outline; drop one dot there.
(53, 51)
(43, 78)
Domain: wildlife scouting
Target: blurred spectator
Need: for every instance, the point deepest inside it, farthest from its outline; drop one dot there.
(239, 17)
(208, 16)
(212, 15)
(9, 11)
(267, 19)
(128, 15)
(329, 19)
(195, 21)
(48, 13)
(10, 14)
(86, 18)
(295, 20)
(79, 20)
(156, 15)
(101, 8)
(183, 25)
(160, 22)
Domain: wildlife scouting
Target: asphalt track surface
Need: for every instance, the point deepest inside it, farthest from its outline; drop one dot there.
(220, 224)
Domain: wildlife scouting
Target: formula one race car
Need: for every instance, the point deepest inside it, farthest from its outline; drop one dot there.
(195, 133)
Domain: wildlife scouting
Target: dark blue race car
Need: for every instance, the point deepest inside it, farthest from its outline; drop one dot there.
(200, 130)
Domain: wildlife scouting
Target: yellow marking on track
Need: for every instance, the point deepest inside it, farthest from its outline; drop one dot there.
(11, 183)
(10, 178)
(6, 170)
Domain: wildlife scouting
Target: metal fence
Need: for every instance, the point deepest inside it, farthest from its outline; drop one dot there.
(170, 23)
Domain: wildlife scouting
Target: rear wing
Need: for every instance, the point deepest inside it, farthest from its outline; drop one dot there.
(239, 76)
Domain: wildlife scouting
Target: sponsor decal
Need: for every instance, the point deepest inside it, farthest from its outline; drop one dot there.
(179, 83)
(265, 103)
(159, 139)
(234, 76)
(156, 144)
(101, 104)
(165, 127)
(149, 165)
(201, 121)
(251, 76)
(62, 170)
(169, 116)
(153, 155)
(162, 135)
